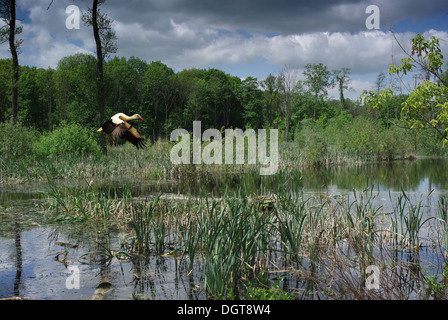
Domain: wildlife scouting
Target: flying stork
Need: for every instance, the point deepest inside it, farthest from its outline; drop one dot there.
(118, 127)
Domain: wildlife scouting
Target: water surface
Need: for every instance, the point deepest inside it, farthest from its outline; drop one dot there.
(35, 255)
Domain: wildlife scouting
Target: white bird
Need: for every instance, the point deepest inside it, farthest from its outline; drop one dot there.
(118, 127)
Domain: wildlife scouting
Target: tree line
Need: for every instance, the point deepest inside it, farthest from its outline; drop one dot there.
(85, 89)
(166, 99)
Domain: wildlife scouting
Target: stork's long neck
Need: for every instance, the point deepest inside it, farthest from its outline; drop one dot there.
(127, 118)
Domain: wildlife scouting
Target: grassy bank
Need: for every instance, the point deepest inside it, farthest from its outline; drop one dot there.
(71, 152)
(347, 140)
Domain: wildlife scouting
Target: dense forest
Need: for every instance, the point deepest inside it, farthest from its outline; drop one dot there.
(300, 109)
(167, 99)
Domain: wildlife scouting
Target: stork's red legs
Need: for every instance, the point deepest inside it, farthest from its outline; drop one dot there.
(111, 140)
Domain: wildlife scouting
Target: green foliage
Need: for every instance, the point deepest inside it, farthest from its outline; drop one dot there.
(315, 148)
(76, 89)
(252, 104)
(342, 80)
(437, 288)
(344, 139)
(420, 107)
(318, 78)
(272, 292)
(5, 88)
(300, 109)
(375, 100)
(426, 105)
(16, 141)
(426, 53)
(68, 139)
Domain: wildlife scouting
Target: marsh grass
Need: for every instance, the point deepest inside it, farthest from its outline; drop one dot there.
(155, 164)
(442, 211)
(408, 219)
(320, 246)
(261, 233)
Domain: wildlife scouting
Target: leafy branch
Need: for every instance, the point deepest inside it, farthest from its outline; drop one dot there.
(426, 107)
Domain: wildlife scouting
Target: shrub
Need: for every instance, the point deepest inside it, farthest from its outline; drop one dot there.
(315, 149)
(393, 143)
(16, 141)
(71, 139)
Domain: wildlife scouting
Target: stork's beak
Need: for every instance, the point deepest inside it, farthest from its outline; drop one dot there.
(142, 119)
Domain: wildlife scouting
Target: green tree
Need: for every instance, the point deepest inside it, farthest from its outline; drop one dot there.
(30, 113)
(224, 94)
(193, 96)
(8, 33)
(233, 112)
(251, 101)
(219, 93)
(271, 99)
(124, 83)
(46, 87)
(304, 100)
(36, 89)
(288, 80)
(342, 78)
(159, 82)
(5, 88)
(210, 96)
(318, 79)
(426, 107)
(76, 89)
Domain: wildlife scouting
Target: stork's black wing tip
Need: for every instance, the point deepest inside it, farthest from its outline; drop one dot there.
(141, 144)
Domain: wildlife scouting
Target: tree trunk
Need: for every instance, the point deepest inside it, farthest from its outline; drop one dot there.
(15, 59)
(154, 132)
(99, 55)
(341, 93)
(50, 127)
(287, 113)
(287, 128)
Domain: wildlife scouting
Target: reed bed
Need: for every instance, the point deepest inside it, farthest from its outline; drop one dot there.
(154, 163)
(307, 246)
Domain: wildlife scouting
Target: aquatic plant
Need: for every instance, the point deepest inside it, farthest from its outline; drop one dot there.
(321, 245)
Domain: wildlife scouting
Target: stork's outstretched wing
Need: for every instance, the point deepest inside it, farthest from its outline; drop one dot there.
(129, 133)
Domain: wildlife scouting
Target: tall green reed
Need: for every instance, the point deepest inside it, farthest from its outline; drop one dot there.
(234, 242)
(142, 217)
(442, 212)
(291, 216)
(407, 221)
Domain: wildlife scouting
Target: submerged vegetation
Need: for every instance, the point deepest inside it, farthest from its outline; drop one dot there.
(247, 236)
(285, 245)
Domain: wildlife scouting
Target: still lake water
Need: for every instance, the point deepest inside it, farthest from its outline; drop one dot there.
(34, 255)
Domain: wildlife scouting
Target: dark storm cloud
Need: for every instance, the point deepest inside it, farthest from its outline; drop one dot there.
(281, 16)
(258, 34)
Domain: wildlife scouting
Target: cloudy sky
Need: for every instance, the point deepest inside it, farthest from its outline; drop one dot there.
(241, 37)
